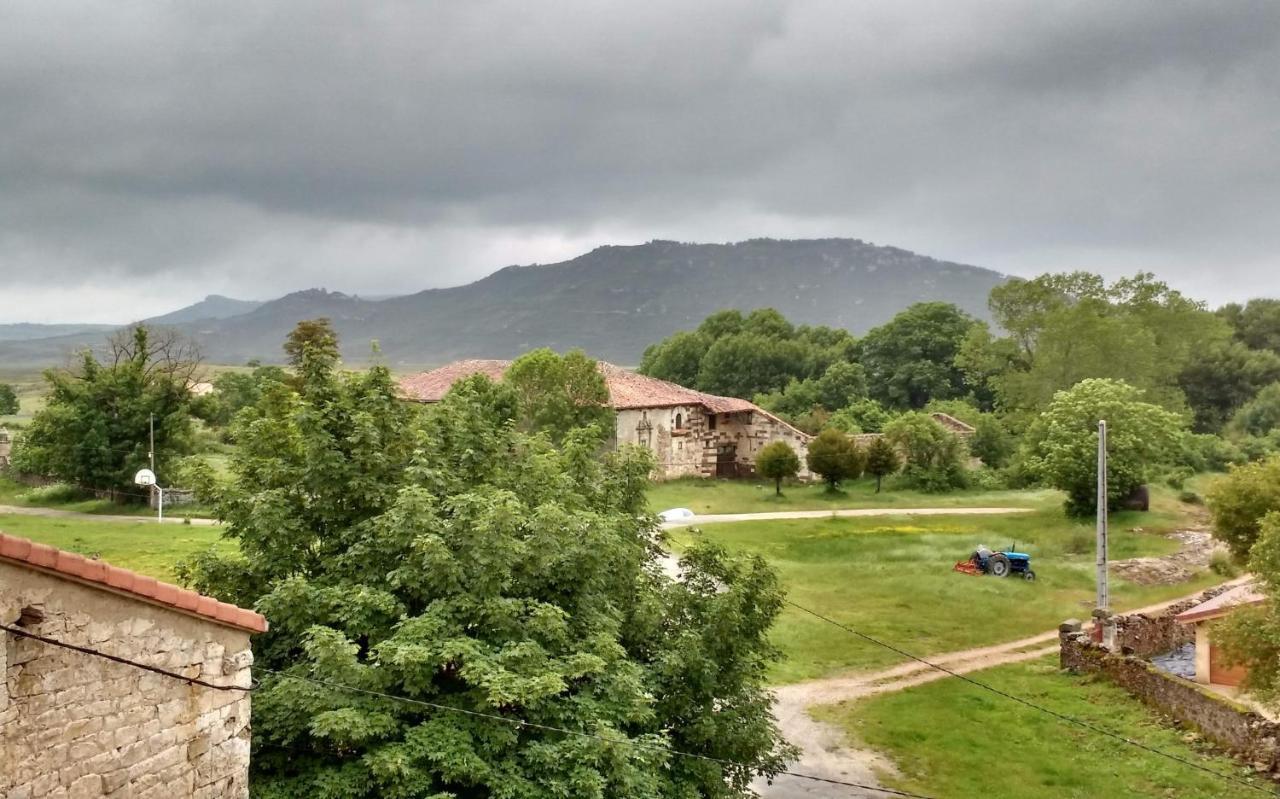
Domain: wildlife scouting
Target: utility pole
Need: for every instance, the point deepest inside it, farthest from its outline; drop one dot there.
(1102, 613)
(151, 451)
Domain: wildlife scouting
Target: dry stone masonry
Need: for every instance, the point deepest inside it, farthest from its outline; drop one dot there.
(73, 725)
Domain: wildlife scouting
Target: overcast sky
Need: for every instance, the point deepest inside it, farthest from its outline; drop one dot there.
(154, 152)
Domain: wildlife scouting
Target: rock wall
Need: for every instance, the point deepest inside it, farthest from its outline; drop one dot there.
(73, 725)
(1233, 727)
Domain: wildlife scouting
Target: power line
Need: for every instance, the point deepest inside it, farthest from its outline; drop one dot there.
(1027, 702)
(457, 710)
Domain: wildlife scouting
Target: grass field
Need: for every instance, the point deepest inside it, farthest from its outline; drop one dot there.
(756, 496)
(145, 547)
(891, 577)
(949, 739)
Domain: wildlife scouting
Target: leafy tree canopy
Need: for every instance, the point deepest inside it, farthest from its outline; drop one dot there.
(910, 360)
(234, 391)
(1221, 378)
(94, 429)
(882, 460)
(1260, 415)
(1251, 635)
(835, 457)
(447, 555)
(1063, 441)
(777, 461)
(8, 400)
(933, 457)
(560, 393)
(745, 355)
(1241, 499)
(1256, 324)
(1064, 328)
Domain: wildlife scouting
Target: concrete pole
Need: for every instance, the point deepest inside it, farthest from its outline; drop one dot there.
(1102, 613)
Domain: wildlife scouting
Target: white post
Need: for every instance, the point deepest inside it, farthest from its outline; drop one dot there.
(1103, 611)
(160, 506)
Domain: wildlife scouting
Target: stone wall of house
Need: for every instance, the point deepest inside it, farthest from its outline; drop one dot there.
(74, 725)
(6, 448)
(678, 450)
(1233, 727)
(1147, 634)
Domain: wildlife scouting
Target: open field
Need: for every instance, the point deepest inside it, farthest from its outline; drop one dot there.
(950, 739)
(757, 496)
(890, 577)
(145, 547)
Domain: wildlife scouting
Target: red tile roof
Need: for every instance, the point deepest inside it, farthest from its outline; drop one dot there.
(627, 389)
(1222, 604)
(149, 589)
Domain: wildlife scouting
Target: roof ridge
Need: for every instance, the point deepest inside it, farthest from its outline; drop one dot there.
(102, 574)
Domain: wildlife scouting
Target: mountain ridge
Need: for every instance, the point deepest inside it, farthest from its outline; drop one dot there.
(612, 301)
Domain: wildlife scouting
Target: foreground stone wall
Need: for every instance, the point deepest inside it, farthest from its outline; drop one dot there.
(1146, 635)
(73, 725)
(1234, 727)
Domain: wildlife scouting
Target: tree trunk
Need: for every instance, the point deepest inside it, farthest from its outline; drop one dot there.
(878, 478)
(777, 486)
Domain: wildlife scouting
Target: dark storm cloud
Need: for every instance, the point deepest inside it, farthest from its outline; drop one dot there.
(161, 150)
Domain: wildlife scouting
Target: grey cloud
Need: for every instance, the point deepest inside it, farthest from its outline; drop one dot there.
(380, 146)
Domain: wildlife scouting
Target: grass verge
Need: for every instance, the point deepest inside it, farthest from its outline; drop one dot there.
(950, 739)
(891, 577)
(757, 496)
(145, 547)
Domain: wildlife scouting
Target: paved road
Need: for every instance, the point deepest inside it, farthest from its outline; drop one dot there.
(718, 518)
(54, 513)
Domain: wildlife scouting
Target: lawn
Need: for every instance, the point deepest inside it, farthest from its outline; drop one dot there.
(949, 739)
(755, 496)
(144, 547)
(891, 577)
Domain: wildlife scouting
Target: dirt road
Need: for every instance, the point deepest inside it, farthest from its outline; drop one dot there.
(824, 752)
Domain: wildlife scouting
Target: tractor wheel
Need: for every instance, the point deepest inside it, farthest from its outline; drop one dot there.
(1029, 576)
(998, 565)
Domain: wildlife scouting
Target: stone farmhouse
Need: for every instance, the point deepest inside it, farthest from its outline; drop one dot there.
(691, 433)
(1211, 668)
(77, 724)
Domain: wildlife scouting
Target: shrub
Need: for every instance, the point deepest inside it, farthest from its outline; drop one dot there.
(987, 479)
(933, 457)
(53, 494)
(991, 442)
(1240, 500)
(882, 460)
(777, 461)
(1191, 498)
(1221, 564)
(835, 457)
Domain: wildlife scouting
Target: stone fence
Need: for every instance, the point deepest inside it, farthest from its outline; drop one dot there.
(1232, 726)
(1146, 635)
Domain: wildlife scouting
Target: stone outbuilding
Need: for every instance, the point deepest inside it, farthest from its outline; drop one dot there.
(691, 433)
(77, 724)
(1211, 668)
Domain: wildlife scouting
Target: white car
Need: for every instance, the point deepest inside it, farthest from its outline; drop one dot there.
(676, 515)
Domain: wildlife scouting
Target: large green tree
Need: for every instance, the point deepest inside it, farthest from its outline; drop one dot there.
(1260, 415)
(445, 555)
(1239, 500)
(94, 430)
(1064, 328)
(911, 359)
(1256, 324)
(1221, 378)
(8, 400)
(560, 393)
(1063, 441)
(746, 355)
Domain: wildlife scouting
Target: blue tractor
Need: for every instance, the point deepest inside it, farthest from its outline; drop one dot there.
(997, 564)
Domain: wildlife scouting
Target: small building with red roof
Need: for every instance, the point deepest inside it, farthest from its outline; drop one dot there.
(118, 684)
(1211, 666)
(691, 433)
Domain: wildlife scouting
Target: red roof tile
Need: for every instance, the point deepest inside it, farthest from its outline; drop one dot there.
(96, 572)
(1222, 604)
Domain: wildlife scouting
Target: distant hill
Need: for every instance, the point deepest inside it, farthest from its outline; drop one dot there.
(215, 306)
(26, 331)
(613, 301)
